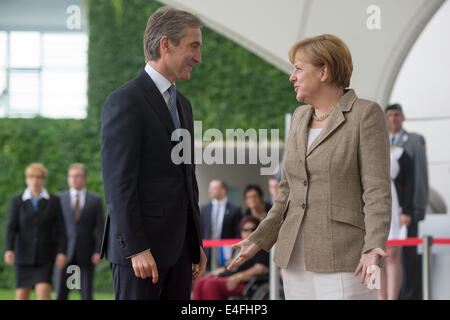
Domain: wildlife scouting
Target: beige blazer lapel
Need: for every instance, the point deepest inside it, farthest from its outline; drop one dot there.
(336, 118)
(301, 135)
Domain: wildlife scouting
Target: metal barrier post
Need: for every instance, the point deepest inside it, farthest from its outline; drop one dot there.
(426, 267)
(214, 258)
(274, 278)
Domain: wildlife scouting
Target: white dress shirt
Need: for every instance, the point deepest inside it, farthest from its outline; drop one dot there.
(396, 136)
(81, 194)
(162, 83)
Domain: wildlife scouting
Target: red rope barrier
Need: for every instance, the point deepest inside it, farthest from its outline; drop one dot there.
(406, 243)
(219, 243)
(409, 242)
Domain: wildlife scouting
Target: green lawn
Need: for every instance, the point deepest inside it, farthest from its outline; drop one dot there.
(10, 295)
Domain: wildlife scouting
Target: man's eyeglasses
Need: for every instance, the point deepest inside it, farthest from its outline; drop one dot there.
(248, 229)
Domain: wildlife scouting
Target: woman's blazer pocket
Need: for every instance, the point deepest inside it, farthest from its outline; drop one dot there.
(348, 216)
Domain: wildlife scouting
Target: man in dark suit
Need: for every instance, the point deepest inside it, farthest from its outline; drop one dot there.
(220, 218)
(152, 234)
(414, 145)
(84, 221)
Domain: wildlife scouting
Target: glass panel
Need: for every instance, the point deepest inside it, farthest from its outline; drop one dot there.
(3, 93)
(2, 87)
(25, 49)
(64, 76)
(64, 94)
(62, 50)
(3, 48)
(24, 93)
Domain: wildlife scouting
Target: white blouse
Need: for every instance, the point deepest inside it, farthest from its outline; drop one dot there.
(312, 135)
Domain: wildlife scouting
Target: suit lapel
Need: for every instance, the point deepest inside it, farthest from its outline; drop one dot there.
(226, 215)
(86, 203)
(67, 206)
(336, 118)
(42, 210)
(301, 136)
(156, 101)
(182, 113)
(208, 222)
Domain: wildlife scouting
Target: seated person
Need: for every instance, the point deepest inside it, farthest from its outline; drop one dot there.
(254, 199)
(222, 284)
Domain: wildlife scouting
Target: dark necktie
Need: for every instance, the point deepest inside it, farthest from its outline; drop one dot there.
(76, 208)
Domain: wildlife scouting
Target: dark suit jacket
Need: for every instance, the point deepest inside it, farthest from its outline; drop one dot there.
(230, 224)
(83, 237)
(404, 184)
(152, 202)
(35, 236)
(414, 145)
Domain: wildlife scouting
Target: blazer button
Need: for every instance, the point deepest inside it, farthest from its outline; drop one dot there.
(305, 183)
(303, 205)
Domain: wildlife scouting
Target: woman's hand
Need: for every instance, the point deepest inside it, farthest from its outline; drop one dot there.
(60, 260)
(9, 257)
(367, 259)
(248, 250)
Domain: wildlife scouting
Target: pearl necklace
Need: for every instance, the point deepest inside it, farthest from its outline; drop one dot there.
(322, 117)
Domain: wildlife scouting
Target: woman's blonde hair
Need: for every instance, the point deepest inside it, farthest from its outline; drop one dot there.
(326, 50)
(36, 169)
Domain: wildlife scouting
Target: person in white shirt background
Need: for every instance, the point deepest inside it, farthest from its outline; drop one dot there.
(220, 218)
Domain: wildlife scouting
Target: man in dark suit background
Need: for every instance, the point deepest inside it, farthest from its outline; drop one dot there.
(414, 145)
(152, 234)
(84, 222)
(220, 218)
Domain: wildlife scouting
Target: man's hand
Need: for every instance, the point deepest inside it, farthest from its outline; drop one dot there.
(144, 266)
(200, 268)
(60, 260)
(367, 259)
(405, 220)
(9, 257)
(96, 258)
(248, 250)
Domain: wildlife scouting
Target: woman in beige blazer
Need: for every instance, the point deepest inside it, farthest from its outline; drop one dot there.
(331, 218)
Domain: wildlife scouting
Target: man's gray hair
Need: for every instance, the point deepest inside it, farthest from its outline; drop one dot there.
(78, 165)
(170, 22)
